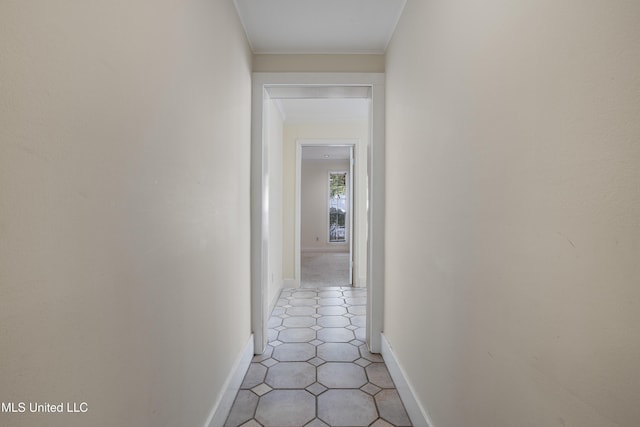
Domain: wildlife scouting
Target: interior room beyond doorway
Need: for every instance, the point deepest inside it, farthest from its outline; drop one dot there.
(326, 218)
(324, 269)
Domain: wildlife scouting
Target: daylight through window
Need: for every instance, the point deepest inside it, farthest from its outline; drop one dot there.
(337, 207)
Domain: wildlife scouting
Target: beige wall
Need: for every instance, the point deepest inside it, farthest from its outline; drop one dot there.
(346, 130)
(513, 163)
(124, 208)
(314, 214)
(318, 63)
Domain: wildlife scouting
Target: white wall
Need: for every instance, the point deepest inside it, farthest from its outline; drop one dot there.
(314, 214)
(513, 163)
(343, 130)
(124, 208)
(273, 147)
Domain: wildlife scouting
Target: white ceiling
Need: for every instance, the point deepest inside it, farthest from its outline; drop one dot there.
(319, 26)
(327, 152)
(323, 110)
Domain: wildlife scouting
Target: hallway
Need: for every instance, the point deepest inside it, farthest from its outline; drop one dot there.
(150, 218)
(317, 370)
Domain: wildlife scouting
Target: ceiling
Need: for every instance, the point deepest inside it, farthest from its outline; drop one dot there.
(319, 26)
(322, 104)
(323, 110)
(326, 152)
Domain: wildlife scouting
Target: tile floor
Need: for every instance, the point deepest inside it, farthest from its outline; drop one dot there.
(317, 370)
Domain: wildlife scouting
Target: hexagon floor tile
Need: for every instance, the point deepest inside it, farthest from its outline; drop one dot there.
(294, 352)
(341, 375)
(291, 375)
(379, 375)
(346, 408)
(299, 322)
(338, 352)
(297, 335)
(335, 335)
(255, 375)
(391, 408)
(286, 408)
(317, 371)
(333, 321)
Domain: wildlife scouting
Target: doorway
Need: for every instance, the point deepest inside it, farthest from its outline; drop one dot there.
(327, 214)
(270, 86)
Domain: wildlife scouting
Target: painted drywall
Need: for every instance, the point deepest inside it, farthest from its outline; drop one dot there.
(314, 215)
(124, 208)
(344, 130)
(318, 63)
(273, 148)
(513, 198)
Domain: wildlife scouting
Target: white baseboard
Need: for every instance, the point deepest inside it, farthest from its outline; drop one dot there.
(274, 301)
(222, 407)
(417, 414)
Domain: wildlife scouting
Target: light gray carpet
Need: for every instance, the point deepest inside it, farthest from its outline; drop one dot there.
(324, 269)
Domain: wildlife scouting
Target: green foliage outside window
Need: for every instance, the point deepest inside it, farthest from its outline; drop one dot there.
(338, 185)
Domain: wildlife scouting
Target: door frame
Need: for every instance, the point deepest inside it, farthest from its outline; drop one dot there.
(354, 145)
(262, 84)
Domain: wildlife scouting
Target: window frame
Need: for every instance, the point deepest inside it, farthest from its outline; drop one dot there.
(347, 207)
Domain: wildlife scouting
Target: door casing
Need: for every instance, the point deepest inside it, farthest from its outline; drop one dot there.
(354, 185)
(327, 85)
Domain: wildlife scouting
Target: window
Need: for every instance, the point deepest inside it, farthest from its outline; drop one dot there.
(337, 206)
